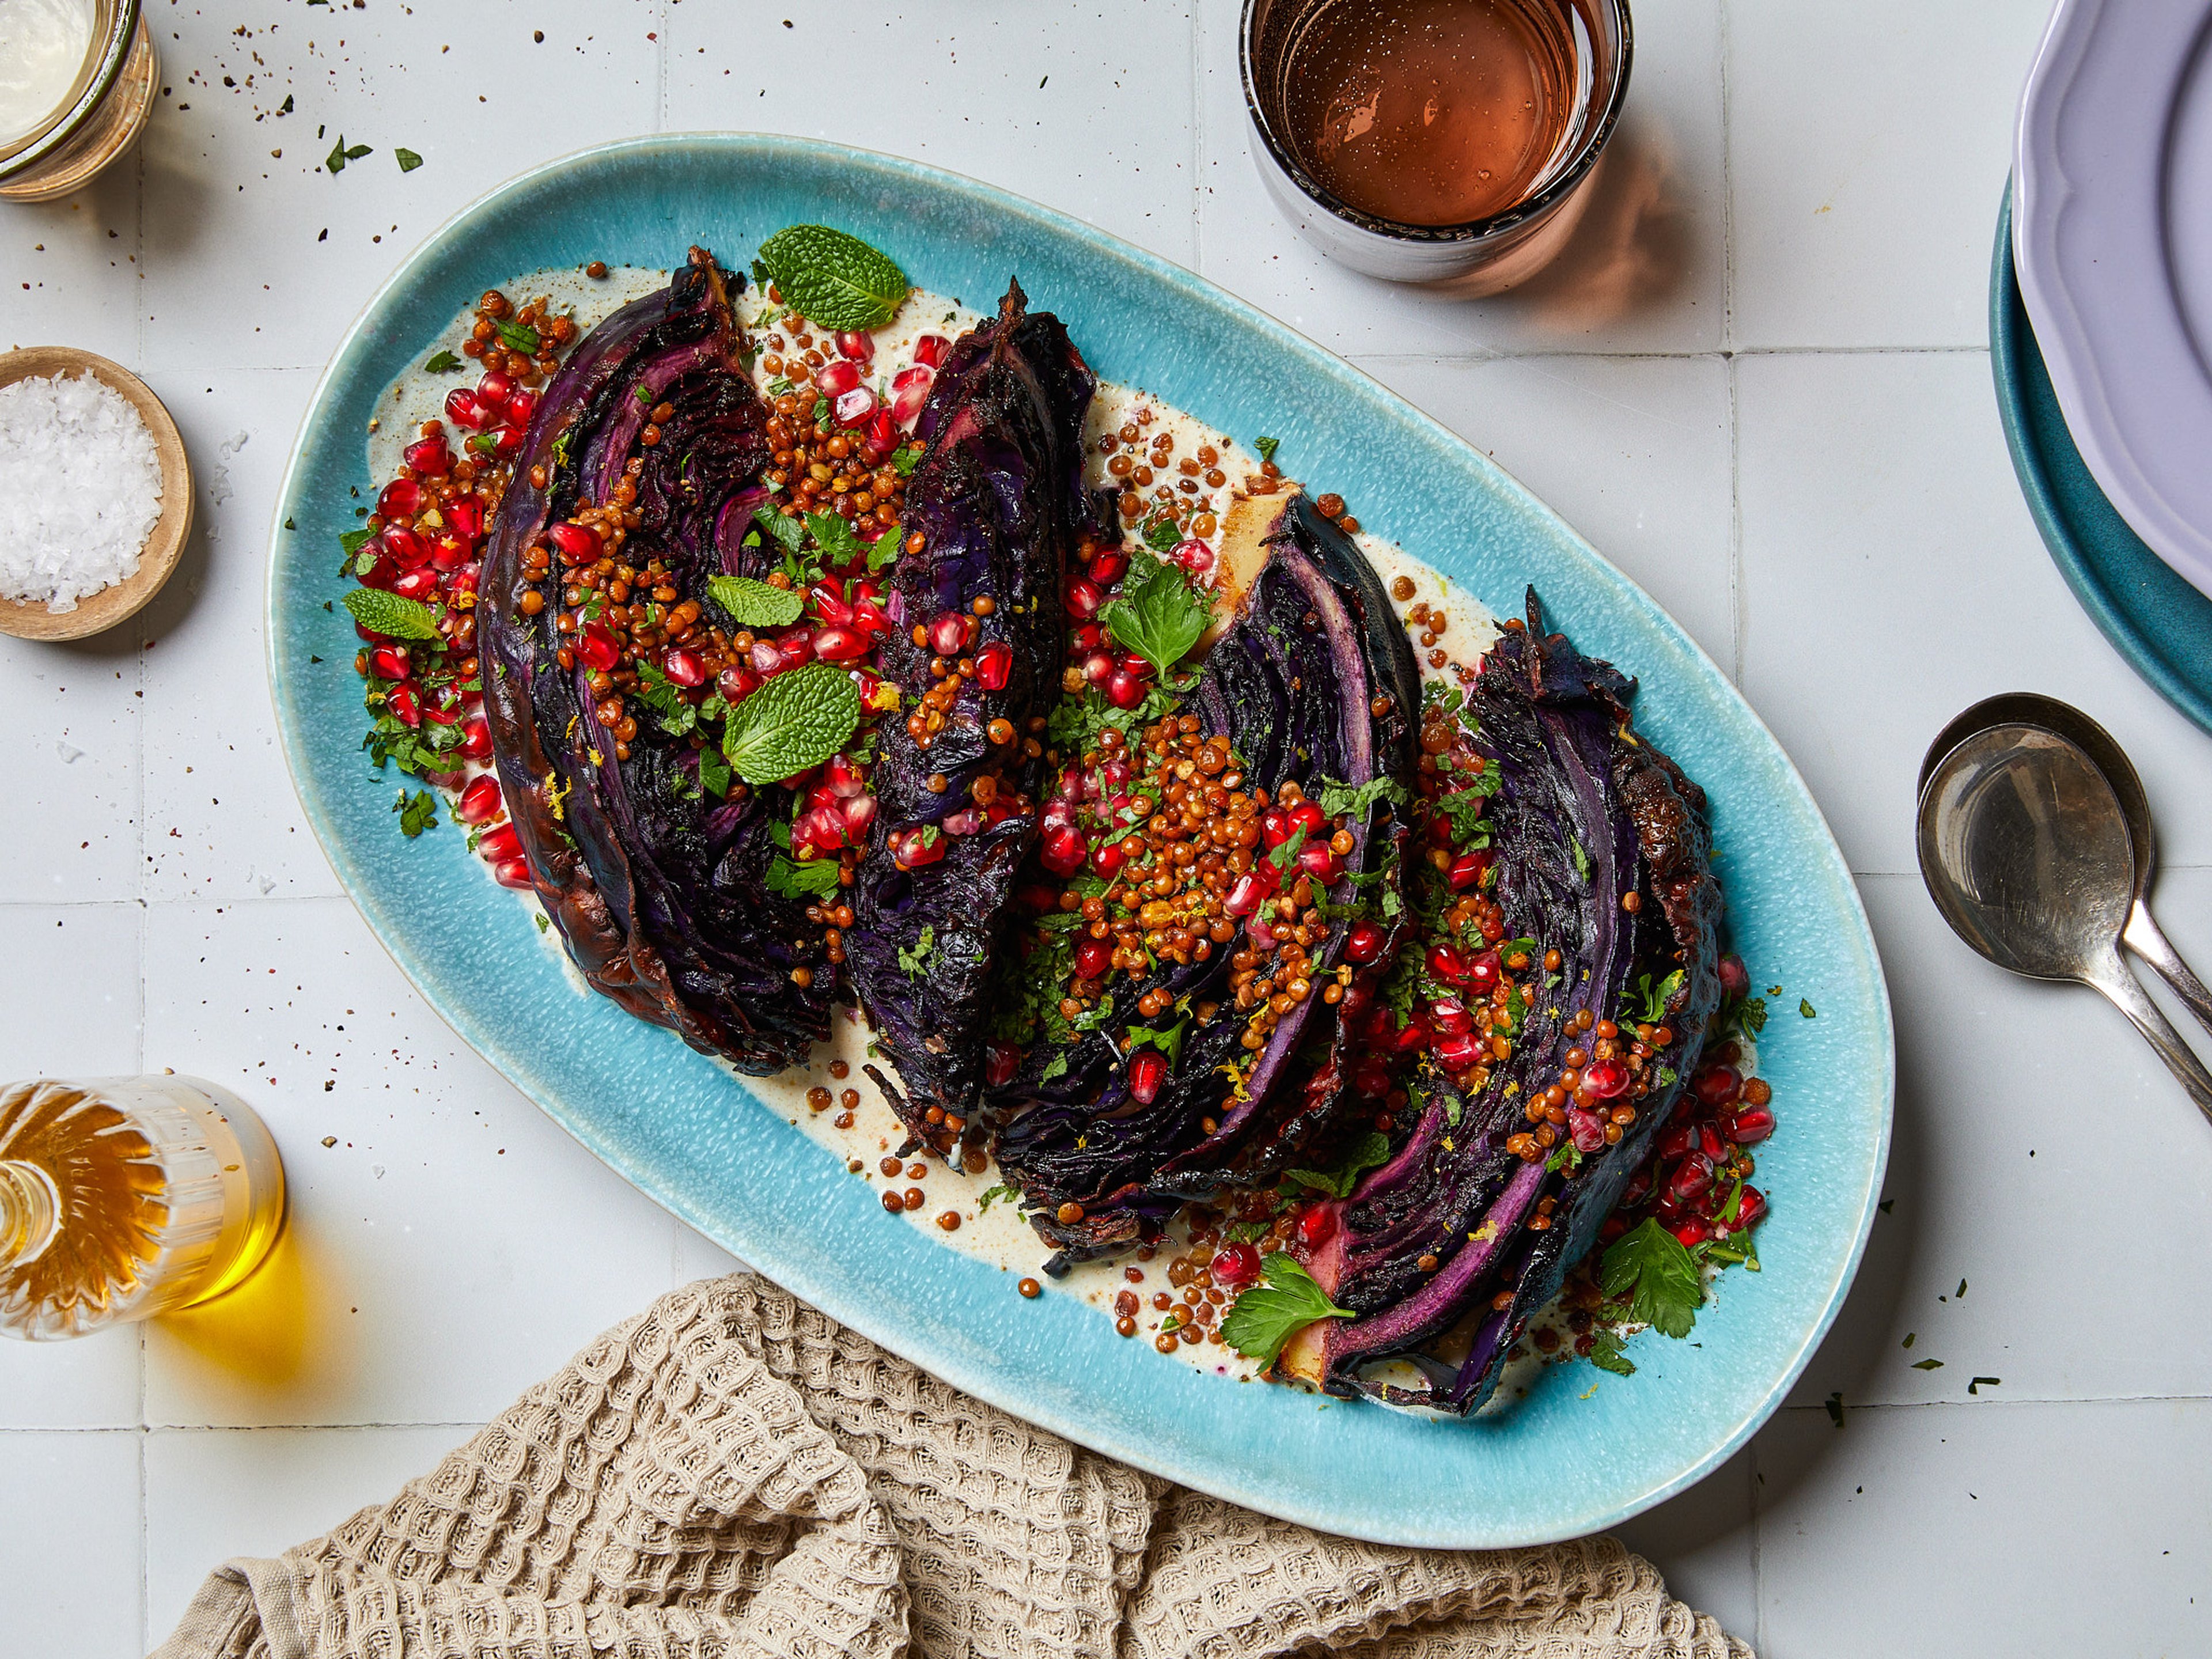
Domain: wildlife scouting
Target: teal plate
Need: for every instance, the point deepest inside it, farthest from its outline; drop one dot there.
(2152, 614)
(1584, 1450)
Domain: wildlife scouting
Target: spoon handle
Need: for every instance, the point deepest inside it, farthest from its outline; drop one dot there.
(2143, 938)
(2127, 994)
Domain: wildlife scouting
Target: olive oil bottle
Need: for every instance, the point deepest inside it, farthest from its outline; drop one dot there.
(121, 1198)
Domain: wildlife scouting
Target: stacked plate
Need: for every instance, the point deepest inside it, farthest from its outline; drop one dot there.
(2101, 324)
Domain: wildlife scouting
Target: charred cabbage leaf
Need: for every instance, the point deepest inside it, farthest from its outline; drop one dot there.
(997, 502)
(658, 885)
(1313, 680)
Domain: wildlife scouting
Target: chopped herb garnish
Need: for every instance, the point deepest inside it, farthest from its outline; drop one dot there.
(418, 812)
(440, 363)
(407, 160)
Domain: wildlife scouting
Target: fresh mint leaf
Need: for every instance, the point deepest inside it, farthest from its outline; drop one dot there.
(883, 552)
(832, 279)
(915, 963)
(1169, 1042)
(904, 457)
(519, 337)
(407, 160)
(788, 877)
(756, 603)
(441, 362)
(1268, 1315)
(1371, 1150)
(1156, 615)
(418, 812)
(788, 531)
(1605, 1353)
(1466, 809)
(392, 615)
(794, 721)
(1655, 1277)
(1342, 800)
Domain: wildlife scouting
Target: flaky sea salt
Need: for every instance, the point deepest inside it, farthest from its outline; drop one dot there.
(79, 489)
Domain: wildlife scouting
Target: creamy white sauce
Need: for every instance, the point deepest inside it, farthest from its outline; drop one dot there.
(995, 1233)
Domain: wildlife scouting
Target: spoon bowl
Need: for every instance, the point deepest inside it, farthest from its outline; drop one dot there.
(2025, 850)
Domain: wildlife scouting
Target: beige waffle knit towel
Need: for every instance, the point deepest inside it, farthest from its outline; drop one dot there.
(733, 1473)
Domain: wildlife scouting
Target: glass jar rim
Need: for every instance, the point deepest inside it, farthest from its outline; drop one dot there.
(122, 28)
(1605, 108)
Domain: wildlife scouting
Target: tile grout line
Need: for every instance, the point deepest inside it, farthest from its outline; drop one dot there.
(1739, 608)
(660, 66)
(1197, 135)
(145, 1547)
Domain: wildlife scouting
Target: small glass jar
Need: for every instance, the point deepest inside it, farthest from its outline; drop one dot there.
(1509, 244)
(99, 116)
(121, 1198)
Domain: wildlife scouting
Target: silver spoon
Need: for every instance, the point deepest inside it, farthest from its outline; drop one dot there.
(2141, 934)
(2025, 850)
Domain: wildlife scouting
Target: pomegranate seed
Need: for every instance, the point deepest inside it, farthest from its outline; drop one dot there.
(1109, 859)
(1248, 892)
(464, 408)
(449, 552)
(765, 658)
(854, 407)
(1604, 1079)
(1460, 1052)
(1372, 1080)
(1194, 556)
(1586, 1129)
(842, 778)
(868, 617)
(508, 441)
(836, 378)
(882, 433)
(1364, 943)
(1147, 1071)
(479, 802)
(1098, 667)
(1083, 598)
(1132, 662)
(840, 644)
(1638, 1189)
(1750, 1206)
(401, 499)
(1109, 568)
(596, 648)
(910, 393)
(1468, 868)
(514, 872)
(858, 344)
(1735, 978)
(1275, 826)
(794, 647)
(860, 812)
(820, 828)
(683, 667)
(1446, 963)
(1717, 1086)
(929, 350)
(574, 539)
(994, 665)
(736, 683)
(1235, 1266)
(476, 739)
(1449, 1017)
(497, 846)
(1125, 689)
(404, 703)
(1093, 957)
(520, 407)
(1710, 1142)
(1319, 863)
(1692, 1178)
(1440, 830)
(406, 547)
(430, 456)
(1317, 1226)
(1089, 637)
(419, 583)
(389, 662)
(1751, 1125)
(948, 635)
(826, 599)
(1064, 850)
(495, 388)
(465, 517)
(1307, 815)
(1000, 1062)
(1482, 972)
(1692, 1233)
(913, 849)
(1678, 1140)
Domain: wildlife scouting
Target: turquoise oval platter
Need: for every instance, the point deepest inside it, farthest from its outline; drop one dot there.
(1584, 1449)
(2154, 617)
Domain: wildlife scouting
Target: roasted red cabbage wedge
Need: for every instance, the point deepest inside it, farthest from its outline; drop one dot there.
(1314, 680)
(998, 501)
(658, 888)
(1588, 814)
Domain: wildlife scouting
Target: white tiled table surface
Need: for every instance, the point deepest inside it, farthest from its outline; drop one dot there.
(1760, 383)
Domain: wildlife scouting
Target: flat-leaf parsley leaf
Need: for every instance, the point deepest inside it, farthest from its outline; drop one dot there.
(1268, 1315)
(1657, 1279)
(1158, 615)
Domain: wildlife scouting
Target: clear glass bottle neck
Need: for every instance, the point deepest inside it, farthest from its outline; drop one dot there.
(30, 1212)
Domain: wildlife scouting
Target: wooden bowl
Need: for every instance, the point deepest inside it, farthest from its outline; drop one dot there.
(122, 600)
